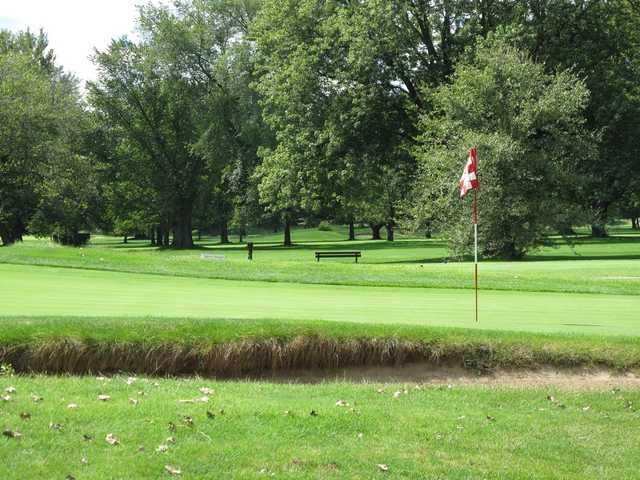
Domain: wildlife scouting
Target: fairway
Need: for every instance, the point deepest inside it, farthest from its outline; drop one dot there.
(39, 291)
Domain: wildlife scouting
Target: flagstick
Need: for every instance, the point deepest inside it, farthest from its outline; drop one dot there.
(475, 241)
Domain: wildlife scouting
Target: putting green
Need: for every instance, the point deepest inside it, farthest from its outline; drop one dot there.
(33, 291)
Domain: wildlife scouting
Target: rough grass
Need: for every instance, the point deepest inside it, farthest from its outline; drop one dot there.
(232, 348)
(258, 430)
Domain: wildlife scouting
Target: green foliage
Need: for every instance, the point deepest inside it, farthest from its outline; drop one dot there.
(69, 200)
(529, 130)
(40, 126)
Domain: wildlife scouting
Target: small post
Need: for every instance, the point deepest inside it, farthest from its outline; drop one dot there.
(250, 250)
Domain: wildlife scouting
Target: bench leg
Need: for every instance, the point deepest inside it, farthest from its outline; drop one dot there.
(356, 259)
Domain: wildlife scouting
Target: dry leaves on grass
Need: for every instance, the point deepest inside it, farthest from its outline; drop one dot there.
(11, 433)
(383, 467)
(5, 398)
(72, 406)
(36, 398)
(111, 439)
(104, 398)
(173, 470)
(133, 401)
(55, 426)
(162, 448)
(10, 390)
(131, 380)
(206, 391)
(25, 416)
(342, 403)
(203, 399)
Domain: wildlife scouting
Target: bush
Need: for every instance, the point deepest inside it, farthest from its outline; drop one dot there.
(324, 226)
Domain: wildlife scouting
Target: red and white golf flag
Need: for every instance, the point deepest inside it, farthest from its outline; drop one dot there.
(469, 179)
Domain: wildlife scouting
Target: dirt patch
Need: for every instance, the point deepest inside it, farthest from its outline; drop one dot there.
(428, 374)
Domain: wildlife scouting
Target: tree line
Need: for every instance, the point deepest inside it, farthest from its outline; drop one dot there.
(224, 115)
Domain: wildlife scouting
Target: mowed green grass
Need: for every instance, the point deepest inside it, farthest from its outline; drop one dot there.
(610, 266)
(258, 430)
(43, 291)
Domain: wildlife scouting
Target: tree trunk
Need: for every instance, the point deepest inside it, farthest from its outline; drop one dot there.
(375, 231)
(635, 223)
(166, 241)
(599, 231)
(389, 227)
(241, 234)
(352, 231)
(152, 236)
(125, 239)
(224, 232)
(287, 234)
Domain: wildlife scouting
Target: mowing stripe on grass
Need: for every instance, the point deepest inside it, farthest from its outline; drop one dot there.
(27, 290)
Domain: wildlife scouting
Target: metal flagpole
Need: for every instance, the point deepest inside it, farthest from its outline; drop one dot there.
(475, 244)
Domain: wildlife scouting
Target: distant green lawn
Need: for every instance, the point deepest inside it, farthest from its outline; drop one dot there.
(258, 430)
(610, 266)
(33, 291)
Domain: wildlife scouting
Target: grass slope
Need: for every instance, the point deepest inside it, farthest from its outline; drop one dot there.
(268, 431)
(28, 290)
(232, 347)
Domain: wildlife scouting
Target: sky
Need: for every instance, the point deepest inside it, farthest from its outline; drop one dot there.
(74, 27)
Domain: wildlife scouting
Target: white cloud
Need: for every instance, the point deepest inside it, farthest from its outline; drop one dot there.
(74, 27)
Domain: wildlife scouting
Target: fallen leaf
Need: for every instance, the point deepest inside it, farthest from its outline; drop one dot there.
(87, 438)
(72, 406)
(10, 390)
(104, 398)
(111, 439)
(131, 380)
(5, 398)
(342, 403)
(173, 470)
(397, 394)
(11, 433)
(490, 418)
(172, 427)
(84, 461)
(101, 379)
(171, 440)
(25, 416)
(551, 398)
(383, 467)
(586, 409)
(210, 414)
(313, 413)
(206, 391)
(69, 477)
(360, 435)
(133, 401)
(162, 448)
(188, 421)
(55, 426)
(141, 448)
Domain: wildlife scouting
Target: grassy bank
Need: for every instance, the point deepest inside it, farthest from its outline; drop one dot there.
(258, 430)
(241, 347)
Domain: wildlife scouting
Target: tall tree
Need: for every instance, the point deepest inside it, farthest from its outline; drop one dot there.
(529, 130)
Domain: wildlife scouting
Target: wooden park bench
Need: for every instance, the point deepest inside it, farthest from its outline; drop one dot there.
(320, 255)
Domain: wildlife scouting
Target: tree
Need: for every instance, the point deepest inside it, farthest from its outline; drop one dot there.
(39, 126)
(529, 129)
(69, 200)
